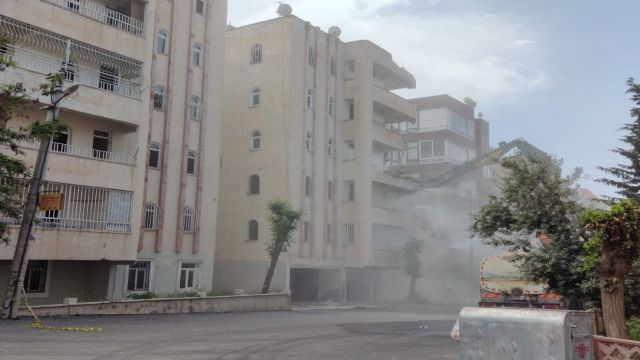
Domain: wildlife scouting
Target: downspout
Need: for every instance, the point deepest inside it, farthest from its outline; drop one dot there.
(304, 135)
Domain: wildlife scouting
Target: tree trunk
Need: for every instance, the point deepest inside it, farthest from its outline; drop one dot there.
(272, 269)
(412, 288)
(613, 307)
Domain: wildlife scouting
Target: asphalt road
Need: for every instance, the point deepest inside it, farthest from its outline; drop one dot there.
(299, 335)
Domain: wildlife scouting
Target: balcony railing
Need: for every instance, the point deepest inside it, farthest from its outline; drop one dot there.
(102, 14)
(85, 152)
(103, 80)
(84, 208)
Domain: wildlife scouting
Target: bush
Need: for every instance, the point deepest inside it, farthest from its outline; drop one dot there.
(220, 293)
(142, 296)
(178, 295)
(634, 329)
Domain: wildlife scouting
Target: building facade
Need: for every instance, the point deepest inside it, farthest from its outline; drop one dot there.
(138, 167)
(304, 121)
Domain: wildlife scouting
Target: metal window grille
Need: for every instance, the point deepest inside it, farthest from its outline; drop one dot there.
(35, 279)
(313, 55)
(189, 220)
(158, 98)
(349, 233)
(139, 274)
(103, 14)
(256, 54)
(151, 216)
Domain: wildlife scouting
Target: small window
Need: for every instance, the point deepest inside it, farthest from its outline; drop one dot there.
(253, 230)
(154, 155)
(350, 69)
(307, 231)
(101, 144)
(189, 276)
(151, 216)
(332, 106)
(349, 150)
(352, 109)
(308, 141)
(256, 54)
(197, 55)
(191, 163)
(35, 278)
(349, 191)
(330, 148)
(255, 140)
(313, 56)
(308, 190)
(162, 45)
(158, 97)
(309, 99)
(200, 7)
(256, 97)
(194, 108)
(138, 278)
(189, 220)
(254, 185)
(349, 233)
(330, 190)
(333, 66)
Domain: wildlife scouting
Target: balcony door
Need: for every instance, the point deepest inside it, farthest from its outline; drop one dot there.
(101, 144)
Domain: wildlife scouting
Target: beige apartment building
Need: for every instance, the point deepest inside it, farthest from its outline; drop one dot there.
(138, 169)
(306, 119)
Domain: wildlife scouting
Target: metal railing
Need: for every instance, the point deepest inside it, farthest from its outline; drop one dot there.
(386, 127)
(84, 208)
(615, 349)
(91, 153)
(101, 80)
(102, 14)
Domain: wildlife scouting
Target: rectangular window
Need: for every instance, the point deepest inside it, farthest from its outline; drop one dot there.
(352, 109)
(101, 144)
(350, 70)
(349, 233)
(35, 279)
(332, 106)
(333, 66)
(349, 150)
(189, 276)
(426, 149)
(200, 7)
(330, 190)
(313, 55)
(139, 273)
(349, 191)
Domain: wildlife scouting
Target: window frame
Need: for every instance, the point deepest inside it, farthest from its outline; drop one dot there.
(192, 156)
(309, 99)
(148, 277)
(196, 55)
(313, 56)
(195, 277)
(256, 94)
(332, 106)
(154, 148)
(349, 191)
(256, 54)
(254, 185)
(308, 141)
(159, 97)
(350, 150)
(194, 108)
(151, 211)
(189, 220)
(308, 186)
(255, 135)
(162, 35)
(254, 230)
(47, 280)
(200, 4)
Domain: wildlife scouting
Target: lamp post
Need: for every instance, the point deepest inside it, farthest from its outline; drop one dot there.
(18, 268)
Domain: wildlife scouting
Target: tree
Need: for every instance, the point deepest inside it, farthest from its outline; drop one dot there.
(284, 222)
(534, 197)
(612, 248)
(413, 264)
(626, 177)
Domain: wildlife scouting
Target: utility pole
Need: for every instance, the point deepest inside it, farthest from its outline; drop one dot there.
(11, 302)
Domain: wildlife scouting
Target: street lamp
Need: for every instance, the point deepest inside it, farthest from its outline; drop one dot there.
(11, 301)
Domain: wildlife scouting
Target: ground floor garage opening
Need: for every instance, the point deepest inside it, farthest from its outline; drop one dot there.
(313, 285)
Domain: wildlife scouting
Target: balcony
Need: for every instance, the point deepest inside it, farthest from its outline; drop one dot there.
(89, 153)
(393, 108)
(380, 177)
(103, 14)
(389, 139)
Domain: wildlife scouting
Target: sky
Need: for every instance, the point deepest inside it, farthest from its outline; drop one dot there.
(551, 72)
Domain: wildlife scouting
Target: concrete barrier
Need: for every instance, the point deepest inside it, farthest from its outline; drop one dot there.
(219, 304)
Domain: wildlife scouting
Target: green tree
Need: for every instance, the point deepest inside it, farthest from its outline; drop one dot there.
(535, 197)
(284, 222)
(612, 248)
(413, 264)
(626, 177)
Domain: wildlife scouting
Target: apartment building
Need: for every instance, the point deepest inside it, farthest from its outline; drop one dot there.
(138, 167)
(304, 121)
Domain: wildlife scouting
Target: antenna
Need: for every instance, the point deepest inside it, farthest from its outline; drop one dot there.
(335, 31)
(284, 10)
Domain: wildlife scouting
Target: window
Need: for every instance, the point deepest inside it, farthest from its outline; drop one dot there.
(352, 109)
(108, 79)
(307, 231)
(307, 186)
(154, 156)
(256, 54)
(197, 55)
(189, 276)
(349, 233)
(313, 56)
(254, 185)
(253, 230)
(162, 43)
(191, 163)
(200, 7)
(330, 190)
(329, 233)
(101, 144)
(194, 108)
(333, 66)
(308, 141)
(349, 191)
(332, 106)
(330, 148)
(60, 143)
(309, 99)
(350, 69)
(35, 279)
(412, 152)
(73, 5)
(349, 150)
(432, 149)
(255, 96)
(139, 273)
(150, 216)
(69, 68)
(255, 140)
(158, 97)
(189, 220)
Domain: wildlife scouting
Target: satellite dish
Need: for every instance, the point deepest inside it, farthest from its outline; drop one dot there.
(335, 31)
(284, 10)
(480, 115)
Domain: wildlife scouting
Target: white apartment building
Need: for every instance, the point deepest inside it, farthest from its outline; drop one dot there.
(306, 120)
(138, 168)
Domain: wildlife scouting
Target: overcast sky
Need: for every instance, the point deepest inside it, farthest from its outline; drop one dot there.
(552, 72)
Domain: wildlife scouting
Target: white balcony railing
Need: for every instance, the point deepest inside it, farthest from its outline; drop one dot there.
(102, 80)
(84, 208)
(102, 14)
(86, 152)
